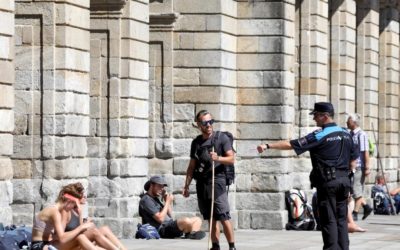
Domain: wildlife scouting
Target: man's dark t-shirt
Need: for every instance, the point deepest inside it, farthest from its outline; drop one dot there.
(148, 207)
(200, 145)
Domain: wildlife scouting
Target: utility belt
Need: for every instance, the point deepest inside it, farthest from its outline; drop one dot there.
(331, 173)
(323, 174)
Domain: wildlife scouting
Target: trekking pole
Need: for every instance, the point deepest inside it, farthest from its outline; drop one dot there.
(381, 167)
(212, 201)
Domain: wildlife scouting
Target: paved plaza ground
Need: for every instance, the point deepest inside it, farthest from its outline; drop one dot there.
(383, 233)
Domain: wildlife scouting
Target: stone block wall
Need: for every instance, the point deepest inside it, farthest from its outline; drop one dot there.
(6, 108)
(105, 92)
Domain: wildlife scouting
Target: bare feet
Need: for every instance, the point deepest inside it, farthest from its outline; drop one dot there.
(354, 228)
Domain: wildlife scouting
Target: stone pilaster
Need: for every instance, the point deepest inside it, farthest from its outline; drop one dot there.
(6, 107)
(312, 54)
(118, 136)
(367, 63)
(343, 52)
(389, 82)
(265, 108)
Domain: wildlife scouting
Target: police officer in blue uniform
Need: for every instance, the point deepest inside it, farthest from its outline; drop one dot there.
(333, 155)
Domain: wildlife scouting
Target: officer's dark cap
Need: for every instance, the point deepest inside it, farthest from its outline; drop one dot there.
(323, 107)
(155, 179)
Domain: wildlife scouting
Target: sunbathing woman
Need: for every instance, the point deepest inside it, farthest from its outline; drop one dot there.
(102, 236)
(48, 229)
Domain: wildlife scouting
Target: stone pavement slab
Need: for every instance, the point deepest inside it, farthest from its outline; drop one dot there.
(383, 233)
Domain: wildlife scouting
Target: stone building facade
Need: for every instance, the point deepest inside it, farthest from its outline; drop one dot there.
(105, 91)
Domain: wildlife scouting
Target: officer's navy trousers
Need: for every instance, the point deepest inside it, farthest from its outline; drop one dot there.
(332, 205)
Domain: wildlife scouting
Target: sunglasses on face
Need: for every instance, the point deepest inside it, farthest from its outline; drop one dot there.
(205, 123)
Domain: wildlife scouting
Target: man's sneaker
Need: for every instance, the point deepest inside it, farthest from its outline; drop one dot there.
(355, 216)
(197, 235)
(367, 211)
(232, 248)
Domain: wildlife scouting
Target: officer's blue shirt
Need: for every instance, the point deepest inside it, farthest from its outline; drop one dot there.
(326, 144)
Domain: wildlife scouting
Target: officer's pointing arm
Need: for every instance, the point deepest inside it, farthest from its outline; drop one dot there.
(281, 145)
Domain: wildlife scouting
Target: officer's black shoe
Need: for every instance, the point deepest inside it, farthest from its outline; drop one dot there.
(232, 248)
(355, 216)
(367, 211)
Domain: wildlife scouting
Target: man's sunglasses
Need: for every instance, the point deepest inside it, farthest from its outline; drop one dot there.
(205, 123)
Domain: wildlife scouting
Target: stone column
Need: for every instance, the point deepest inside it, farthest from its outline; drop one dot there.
(6, 108)
(71, 99)
(389, 85)
(343, 53)
(118, 112)
(312, 49)
(162, 110)
(265, 110)
(204, 74)
(34, 109)
(367, 62)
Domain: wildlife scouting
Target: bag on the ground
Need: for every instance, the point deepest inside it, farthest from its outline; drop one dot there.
(381, 202)
(13, 237)
(300, 216)
(147, 232)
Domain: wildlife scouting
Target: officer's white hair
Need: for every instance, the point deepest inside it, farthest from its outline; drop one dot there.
(355, 117)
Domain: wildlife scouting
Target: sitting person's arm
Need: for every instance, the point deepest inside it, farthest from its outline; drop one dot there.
(395, 191)
(63, 236)
(166, 210)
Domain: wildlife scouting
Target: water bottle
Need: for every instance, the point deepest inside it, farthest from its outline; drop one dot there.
(50, 247)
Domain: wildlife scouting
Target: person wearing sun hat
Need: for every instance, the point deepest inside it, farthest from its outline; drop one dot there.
(155, 208)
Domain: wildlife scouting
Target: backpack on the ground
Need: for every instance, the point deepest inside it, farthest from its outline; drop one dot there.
(13, 237)
(228, 169)
(381, 202)
(147, 232)
(300, 215)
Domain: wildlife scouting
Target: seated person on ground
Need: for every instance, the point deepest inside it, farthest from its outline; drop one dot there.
(49, 230)
(382, 199)
(102, 237)
(159, 214)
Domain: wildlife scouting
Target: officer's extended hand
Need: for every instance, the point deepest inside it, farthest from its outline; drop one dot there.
(261, 148)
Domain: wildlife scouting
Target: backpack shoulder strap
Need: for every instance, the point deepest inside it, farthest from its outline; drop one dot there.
(215, 140)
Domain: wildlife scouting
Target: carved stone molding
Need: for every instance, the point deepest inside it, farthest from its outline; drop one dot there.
(165, 20)
(107, 5)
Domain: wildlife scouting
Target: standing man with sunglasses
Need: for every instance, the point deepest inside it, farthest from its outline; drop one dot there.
(202, 155)
(333, 155)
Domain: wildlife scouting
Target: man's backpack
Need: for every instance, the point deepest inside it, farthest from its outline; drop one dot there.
(228, 169)
(147, 232)
(300, 216)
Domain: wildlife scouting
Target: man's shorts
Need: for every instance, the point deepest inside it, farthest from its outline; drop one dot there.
(221, 204)
(358, 187)
(170, 230)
